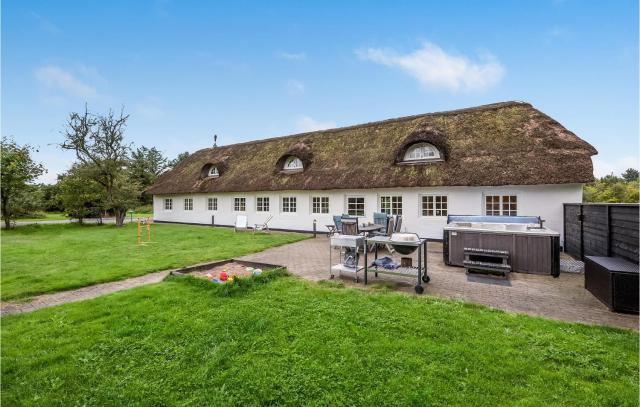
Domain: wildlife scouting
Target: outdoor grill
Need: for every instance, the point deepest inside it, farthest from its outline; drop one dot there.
(405, 237)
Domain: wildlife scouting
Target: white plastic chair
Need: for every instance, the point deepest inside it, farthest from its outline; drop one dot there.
(263, 226)
(241, 223)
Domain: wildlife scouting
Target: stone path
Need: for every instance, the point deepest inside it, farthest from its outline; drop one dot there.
(84, 293)
(562, 298)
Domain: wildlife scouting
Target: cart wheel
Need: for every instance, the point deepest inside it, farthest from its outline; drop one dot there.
(426, 279)
(419, 289)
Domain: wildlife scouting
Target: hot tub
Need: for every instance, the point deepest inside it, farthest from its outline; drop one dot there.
(532, 248)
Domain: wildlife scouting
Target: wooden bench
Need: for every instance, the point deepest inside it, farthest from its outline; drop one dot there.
(614, 281)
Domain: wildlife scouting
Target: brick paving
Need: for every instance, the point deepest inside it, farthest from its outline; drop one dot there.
(563, 298)
(84, 293)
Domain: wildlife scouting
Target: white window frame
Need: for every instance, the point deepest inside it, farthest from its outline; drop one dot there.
(320, 199)
(427, 152)
(434, 196)
(213, 172)
(289, 200)
(265, 205)
(293, 163)
(187, 204)
(364, 204)
(501, 202)
(395, 208)
(170, 202)
(243, 201)
(212, 203)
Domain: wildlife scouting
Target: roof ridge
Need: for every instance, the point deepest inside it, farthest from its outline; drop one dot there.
(490, 106)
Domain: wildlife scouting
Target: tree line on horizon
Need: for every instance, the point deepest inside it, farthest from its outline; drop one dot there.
(109, 175)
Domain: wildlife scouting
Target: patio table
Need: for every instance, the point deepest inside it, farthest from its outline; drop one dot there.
(420, 271)
(370, 228)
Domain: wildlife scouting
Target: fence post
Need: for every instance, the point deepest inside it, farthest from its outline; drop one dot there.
(608, 230)
(581, 217)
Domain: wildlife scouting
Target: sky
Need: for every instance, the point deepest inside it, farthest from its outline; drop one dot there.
(186, 70)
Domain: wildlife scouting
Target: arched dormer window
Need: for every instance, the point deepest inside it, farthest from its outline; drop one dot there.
(213, 172)
(293, 163)
(421, 152)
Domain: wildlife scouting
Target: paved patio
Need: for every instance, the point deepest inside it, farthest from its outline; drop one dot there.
(562, 298)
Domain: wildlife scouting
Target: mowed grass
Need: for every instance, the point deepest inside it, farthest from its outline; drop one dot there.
(290, 342)
(39, 259)
(45, 216)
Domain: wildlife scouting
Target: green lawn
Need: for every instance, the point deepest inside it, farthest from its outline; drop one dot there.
(45, 216)
(39, 259)
(182, 342)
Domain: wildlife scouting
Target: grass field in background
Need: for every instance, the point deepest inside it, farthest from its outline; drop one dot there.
(39, 259)
(292, 342)
(44, 216)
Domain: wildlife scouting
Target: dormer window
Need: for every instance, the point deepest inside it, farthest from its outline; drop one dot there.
(293, 164)
(213, 172)
(422, 152)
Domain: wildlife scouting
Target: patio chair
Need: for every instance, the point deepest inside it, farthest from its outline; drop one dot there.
(398, 224)
(390, 230)
(337, 221)
(241, 223)
(350, 226)
(263, 226)
(381, 219)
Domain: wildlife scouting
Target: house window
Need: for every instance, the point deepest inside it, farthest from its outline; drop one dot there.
(262, 204)
(188, 204)
(509, 205)
(391, 205)
(355, 205)
(421, 152)
(289, 204)
(505, 205)
(320, 204)
(212, 204)
(293, 163)
(213, 172)
(239, 204)
(434, 205)
(168, 204)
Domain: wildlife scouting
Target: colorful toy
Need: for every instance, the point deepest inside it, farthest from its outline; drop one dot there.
(223, 276)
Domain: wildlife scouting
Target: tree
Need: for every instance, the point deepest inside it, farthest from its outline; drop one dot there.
(80, 194)
(613, 189)
(18, 170)
(145, 166)
(178, 159)
(631, 174)
(98, 141)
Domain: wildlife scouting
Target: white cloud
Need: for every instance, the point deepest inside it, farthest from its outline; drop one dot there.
(45, 24)
(292, 56)
(295, 87)
(602, 167)
(57, 79)
(150, 109)
(306, 123)
(434, 68)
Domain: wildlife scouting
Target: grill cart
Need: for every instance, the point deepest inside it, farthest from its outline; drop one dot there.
(403, 243)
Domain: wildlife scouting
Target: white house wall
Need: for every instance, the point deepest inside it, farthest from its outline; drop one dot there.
(538, 200)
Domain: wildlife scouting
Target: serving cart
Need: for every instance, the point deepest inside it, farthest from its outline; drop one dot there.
(418, 272)
(350, 243)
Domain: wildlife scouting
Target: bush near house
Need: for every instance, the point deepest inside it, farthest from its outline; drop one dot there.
(291, 342)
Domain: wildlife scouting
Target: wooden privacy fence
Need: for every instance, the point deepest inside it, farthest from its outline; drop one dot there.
(601, 230)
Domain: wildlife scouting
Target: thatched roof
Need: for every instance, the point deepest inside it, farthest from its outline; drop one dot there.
(508, 143)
